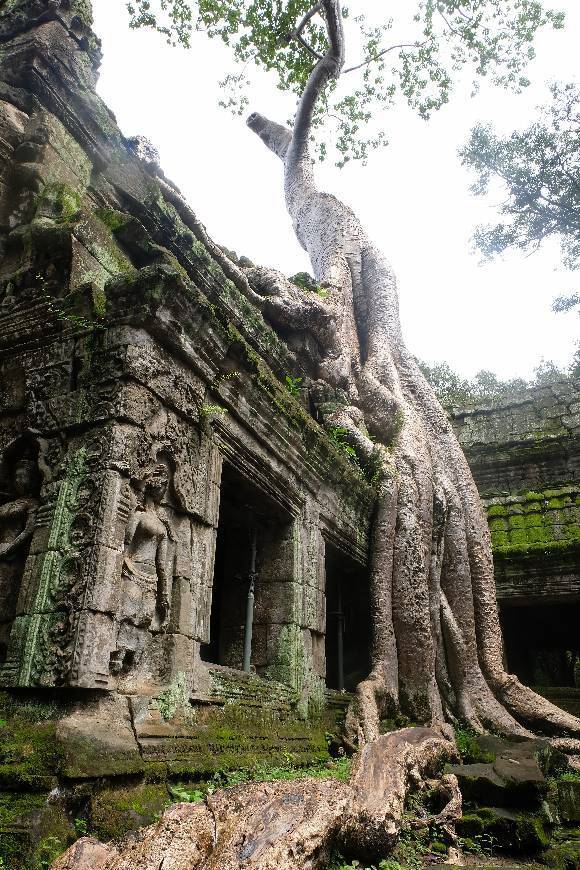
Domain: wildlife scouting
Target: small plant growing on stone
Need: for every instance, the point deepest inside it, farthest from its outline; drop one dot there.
(307, 282)
(81, 827)
(212, 412)
(293, 385)
(48, 851)
(339, 435)
(187, 796)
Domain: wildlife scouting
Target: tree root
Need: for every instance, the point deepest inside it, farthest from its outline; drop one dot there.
(296, 824)
(384, 772)
(172, 195)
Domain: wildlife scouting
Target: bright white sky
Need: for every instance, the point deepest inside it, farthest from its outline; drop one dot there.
(413, 196)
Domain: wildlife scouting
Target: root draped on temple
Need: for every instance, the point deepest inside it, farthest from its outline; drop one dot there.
(437, 652)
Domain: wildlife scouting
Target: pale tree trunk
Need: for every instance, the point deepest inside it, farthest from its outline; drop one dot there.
(437, 646)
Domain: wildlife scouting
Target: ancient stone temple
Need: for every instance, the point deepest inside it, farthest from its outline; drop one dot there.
(525, 457)
(183, 550)
(165, 495)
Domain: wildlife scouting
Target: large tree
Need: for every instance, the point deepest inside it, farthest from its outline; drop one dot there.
(401, 51)
(437, 646)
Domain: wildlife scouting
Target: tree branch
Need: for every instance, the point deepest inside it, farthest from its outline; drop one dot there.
(450, 26)
(309, 15)
(308, 47)
(297, 34)
(382, 53)
(327, 68)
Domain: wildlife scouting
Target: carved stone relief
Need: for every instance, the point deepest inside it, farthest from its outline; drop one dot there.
(17, 519)
(148, 570)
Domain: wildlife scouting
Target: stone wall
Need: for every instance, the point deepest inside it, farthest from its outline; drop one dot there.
(144, 418)
(525, 455)
(147, 435)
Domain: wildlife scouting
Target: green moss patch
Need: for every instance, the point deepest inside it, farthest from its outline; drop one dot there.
(114, 812)
(504, 831)
(34, 830)
(564, 851)
(29, 754)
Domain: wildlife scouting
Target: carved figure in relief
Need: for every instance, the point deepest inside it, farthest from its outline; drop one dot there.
(146, 577)
(17, 517)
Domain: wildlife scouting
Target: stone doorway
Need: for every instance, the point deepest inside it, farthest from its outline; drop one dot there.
(542, 642)
(249, 519)
(348, 626)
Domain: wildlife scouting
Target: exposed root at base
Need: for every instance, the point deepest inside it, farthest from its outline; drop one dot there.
(273, 825)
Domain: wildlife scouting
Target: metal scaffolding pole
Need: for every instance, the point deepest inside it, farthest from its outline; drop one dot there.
(250, 606)
(340, 640)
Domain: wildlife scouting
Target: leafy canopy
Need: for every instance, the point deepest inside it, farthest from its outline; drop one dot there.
(539, 169)
(415, 55)
(485, 387)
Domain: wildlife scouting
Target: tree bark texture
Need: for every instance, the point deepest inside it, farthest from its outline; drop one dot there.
(437, 645)
(274, 825)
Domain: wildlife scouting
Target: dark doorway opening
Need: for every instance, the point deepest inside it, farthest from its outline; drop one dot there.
(348, 624)
(248, 514)
(542, 643)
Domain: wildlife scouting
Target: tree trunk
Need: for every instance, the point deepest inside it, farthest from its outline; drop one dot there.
(437, 646)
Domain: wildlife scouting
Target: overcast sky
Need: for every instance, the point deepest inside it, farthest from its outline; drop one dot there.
(413, 197)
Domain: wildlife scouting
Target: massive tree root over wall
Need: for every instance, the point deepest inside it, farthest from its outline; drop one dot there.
(290, 824)
(437, 646)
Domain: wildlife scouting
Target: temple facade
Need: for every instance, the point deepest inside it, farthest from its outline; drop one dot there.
(183, 549)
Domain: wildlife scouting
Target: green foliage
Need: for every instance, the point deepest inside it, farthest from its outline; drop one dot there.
(184, 795)
(414, 58)
(455, 392)
(482, 845)
(293, 385)
(48, 851)
(286, 770)
(538, 168)
(411, 848)
(339, 863)
(570, 776)
(337, 768)
(469, 748)
(306, 282)
(339, 435)
(81, 827)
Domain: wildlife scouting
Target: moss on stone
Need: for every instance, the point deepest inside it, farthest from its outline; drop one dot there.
(85, 757)
(113, 812)
(29, 755)
(517, 833)
(33, 830)
(63, 199)
(564, 850)
(112, 218)
(535, 523)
